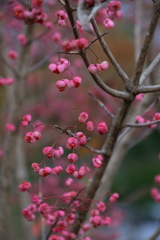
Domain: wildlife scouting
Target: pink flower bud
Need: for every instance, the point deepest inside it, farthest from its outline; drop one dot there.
(48, 151)
(102, 128)
(45, 171)
(104, 65)
(10, 127)
(108, 23)
(101, 206)
(22, 39)
(56, 170)
(35, 167)
(56, 37)
(72, 143)
(25, 186)
(29, 138)
(24, 123)
(61, 23)
(72, 157)
(37, 135)
(60, 213)
(70, 169)
(27, 118)
(106, 221)
(61, 85)
(83, 117)
(69, 181)
(90, 126)
(82, 43)
(77, 81)
(114, 197)
(92, 68)
(58, 152)
(114, 6)
(157, 179)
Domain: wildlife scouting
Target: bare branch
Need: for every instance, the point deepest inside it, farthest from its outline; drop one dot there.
(147, 89)
(150, 68)
(101, 104)
(155, 234)
(107, 51)
(145, 48)
(140, 124)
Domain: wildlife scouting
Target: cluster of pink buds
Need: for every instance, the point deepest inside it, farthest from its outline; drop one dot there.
(112, 13)
(73, 83)
(6, 81)
(76, 44)
(12, 54)
(94, 68)
(26, 120)
(114, 197)
(112, 9)
(36, 15)
(60, 67)
(96, 219)
(31, 137)
(140, 119)
(62, 16)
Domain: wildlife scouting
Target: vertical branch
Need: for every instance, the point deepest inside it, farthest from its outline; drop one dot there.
(10, 140)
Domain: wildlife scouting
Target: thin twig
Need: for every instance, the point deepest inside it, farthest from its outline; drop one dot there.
(140, 124)
(107, 51)
(150, 68)
(101, 104)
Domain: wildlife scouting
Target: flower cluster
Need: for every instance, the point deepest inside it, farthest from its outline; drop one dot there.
(73, 83)
(35, 15)
(76, 44)
(62, 16)
(60, 67)
(112, 13)
(63, 218)
(75, 141)
(94, 68)
(140, 119)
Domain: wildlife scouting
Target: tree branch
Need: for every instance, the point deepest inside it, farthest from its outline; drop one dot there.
(147, 89)
(150, 68)
(145, 48)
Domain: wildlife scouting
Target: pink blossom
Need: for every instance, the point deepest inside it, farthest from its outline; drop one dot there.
(35, 167)
(96, 221)
(114, 197)
(61, 85)
(102, 128)
(92, 68)
(58, 152)
(90, 126)
(101, 206)
(72, 143)
(45, 171)
(12, 54)
(108, 23)
(72, 157)
(139, 97)
(83, 117)
(70, 169)
(29, 137)
(10, 127)
(22, 39)
(48, 151)
(69, 181)
(157, 179)
(37, 135)
(56, 170)
(106, 221)
(27, 118)
(114, 6)
(25, 186)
